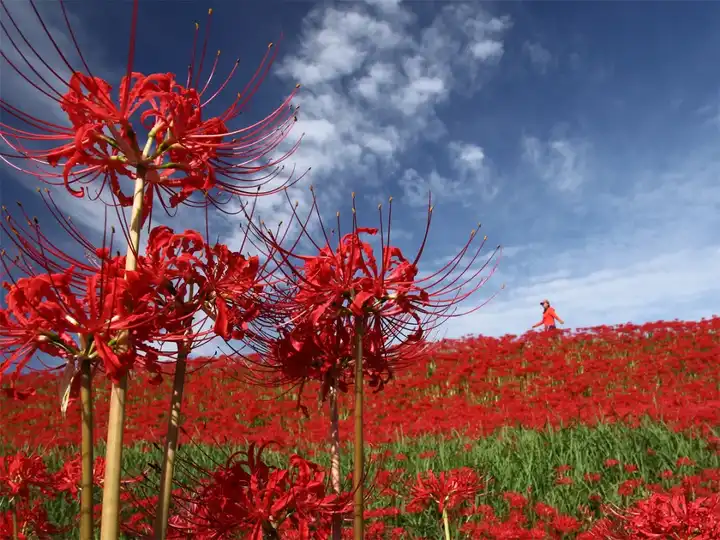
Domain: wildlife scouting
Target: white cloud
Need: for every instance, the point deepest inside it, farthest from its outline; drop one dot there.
(663, 284)
(467, 156)
(561, 162)
(487, 50)
(472, 177)
(385, 5)
(539, 56)
(710, 112)
(416, 187)
(373, 81)
(474, 169)
(657, 257)
(512, 251)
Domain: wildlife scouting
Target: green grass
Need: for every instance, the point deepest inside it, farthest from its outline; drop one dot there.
(514, 459)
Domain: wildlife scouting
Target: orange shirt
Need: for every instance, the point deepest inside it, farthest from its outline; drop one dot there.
(549, 317)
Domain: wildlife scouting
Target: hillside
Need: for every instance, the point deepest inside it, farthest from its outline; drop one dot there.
(555, 431)
(667, 371)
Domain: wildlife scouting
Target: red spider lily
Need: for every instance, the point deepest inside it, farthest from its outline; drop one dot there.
(22, 478)
(248, 498)
(43, 312)
(225, 284)
(20, 473)
(29, 521)
(350, 279)
(350, 292)
(448, 489)
(60, 295)
(186, 152)
(324, 353)
(67, 479)
(325, 294)
(663, 515)
(63, 296)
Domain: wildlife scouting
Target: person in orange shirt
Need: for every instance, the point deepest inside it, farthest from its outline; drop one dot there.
(549, 317)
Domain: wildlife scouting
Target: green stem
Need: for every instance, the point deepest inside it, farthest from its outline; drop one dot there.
(446, 523)
(335, 473)
(110, 521)
(13, 513)
(359, 465)
(171, 442)
(86, 452)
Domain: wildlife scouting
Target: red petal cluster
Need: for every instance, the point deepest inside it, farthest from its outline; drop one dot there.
(352, 286)
(448, 489)
(664, 515)
(72, 310)
(19, 474)
(44, 312)
(22, 478)
(186, 150)
(31, 521)
(224, 284)
(249, 498)
(26, 485)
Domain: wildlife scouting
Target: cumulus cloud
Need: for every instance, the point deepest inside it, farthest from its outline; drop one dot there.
(374, 80)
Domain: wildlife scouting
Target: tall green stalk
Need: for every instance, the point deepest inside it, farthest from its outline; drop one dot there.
(86, 451)
(359, 465)
(168, 466)
(110, 521)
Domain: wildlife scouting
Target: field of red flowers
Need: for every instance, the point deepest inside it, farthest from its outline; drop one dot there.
(606, 432)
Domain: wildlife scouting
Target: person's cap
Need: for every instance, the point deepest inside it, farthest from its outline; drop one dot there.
(546, 301)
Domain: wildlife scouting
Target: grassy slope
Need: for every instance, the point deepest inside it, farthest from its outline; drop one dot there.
(658, 386)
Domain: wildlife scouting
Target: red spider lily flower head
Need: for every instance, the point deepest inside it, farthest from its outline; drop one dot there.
(27, 521)
(347, 282)
(324, 353)
(448, 489)
(20, 473)
(224, 284)
(67, 479)
(22, 478)
(186, 151)
(248, 497)
(72, 309)
(44, 312)
(663, 515)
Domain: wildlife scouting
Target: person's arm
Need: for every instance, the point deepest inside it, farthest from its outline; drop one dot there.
(558, 319)
(537, 324)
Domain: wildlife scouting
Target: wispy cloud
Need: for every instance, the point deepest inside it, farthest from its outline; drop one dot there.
(613, 295)
(561, 162)
(656, 257)
(539, 56)
(472, 178)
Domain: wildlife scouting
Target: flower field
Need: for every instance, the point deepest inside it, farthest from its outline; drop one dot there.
(603, 433)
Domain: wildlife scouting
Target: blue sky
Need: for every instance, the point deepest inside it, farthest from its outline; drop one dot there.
(585, 136)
